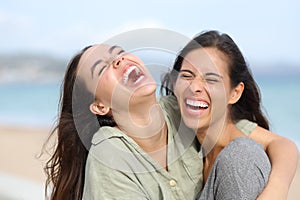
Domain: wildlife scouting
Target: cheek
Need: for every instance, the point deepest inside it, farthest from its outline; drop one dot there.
(104, 90)
(219, 99)
(180, 87)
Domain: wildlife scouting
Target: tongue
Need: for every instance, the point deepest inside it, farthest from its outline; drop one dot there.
(133, 76)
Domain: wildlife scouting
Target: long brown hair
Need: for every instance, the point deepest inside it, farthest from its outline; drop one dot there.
(249, 105)
(75, 128)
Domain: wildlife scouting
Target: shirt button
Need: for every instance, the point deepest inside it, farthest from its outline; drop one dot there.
(172, 183)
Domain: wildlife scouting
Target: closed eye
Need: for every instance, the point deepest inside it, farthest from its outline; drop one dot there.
(212, 80)
(102, 69)
(94, 66)
(186, 74)
(212, 77)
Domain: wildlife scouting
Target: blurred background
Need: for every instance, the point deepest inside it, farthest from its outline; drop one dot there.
(38, 38)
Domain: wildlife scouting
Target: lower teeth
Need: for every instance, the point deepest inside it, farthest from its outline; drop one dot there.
(196, 107)
(140, 78)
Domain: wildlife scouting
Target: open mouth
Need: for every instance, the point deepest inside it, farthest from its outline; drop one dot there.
(133, 75)
(196, 104)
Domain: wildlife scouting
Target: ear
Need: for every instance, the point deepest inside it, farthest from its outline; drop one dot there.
(99, 108)
(236, 93)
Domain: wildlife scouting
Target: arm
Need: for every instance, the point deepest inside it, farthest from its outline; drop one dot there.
(283, 155)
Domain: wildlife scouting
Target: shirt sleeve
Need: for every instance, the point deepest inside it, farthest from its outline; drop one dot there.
(245, 126)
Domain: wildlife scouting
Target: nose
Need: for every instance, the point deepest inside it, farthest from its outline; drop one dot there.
(118, 62)
(197, 85)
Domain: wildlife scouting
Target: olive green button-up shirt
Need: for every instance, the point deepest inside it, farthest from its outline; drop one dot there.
(117, 168)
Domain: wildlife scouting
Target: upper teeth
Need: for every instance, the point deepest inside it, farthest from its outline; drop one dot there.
(128, 71)
(196, 103)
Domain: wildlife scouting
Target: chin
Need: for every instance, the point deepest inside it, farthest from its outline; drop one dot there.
(191, 123)
(195, 123)
(145, 89)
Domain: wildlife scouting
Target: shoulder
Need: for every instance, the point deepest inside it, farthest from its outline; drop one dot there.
(242, 147)
(111, 148)
(105, 141)
(241, 170)
(244, 154)
(111, 137)
(106, 133)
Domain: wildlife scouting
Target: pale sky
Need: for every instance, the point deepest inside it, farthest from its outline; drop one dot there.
(266, 31)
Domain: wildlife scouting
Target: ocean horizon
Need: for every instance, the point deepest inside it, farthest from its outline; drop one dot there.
(35, 104)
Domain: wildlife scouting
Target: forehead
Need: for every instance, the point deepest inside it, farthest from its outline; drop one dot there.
(206, 59)
(88, 59)
(96, 52)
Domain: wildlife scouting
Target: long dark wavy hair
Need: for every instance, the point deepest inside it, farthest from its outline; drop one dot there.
(74, 129)
(249, 105)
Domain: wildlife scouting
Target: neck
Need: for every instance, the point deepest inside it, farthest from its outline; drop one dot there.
(143, 111)
(212, 137)
(214, 140)
(156, 146)
(154, 142)
(144, 122)
(218, 135)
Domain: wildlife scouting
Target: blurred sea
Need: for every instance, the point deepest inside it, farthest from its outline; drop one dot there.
(280, 98)
(29, 104)
(36, 104)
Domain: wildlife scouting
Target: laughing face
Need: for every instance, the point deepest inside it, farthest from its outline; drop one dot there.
(203, 88)
(115, 77)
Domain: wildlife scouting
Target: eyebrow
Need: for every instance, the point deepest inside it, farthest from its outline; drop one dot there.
(187, 70)
(94, 66)
(110, 50)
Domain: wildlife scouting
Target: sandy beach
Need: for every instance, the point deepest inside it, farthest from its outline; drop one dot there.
(21, 171)
(21, 168)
